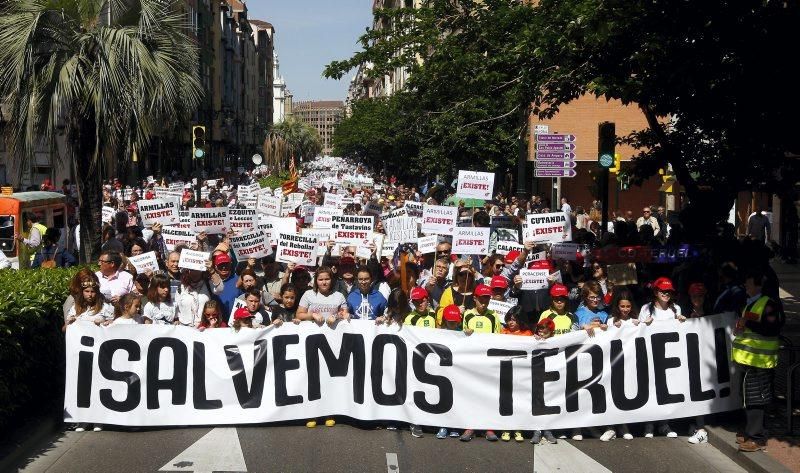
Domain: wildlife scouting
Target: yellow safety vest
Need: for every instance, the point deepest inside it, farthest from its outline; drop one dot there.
(752, 349)
(28, 254)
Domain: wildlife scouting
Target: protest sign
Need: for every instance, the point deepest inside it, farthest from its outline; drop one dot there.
(389, 245)
(534, 279)
(504, 247)
(108, 214)
(174, 236)
(538, 256)
(299, 249)
(144, 262)
(213, 220)
(439, 219)
(500, 308)
(414, 209)
(470, 241)
(242, 220)
(622, 274)
(373, 208)
(427, 244)
(266, 225)
(269, 204)
(630, 375)
(401, 212)
(476, 185)
(401, 229)
(565, 251)
(254, 244)
(550, 227)
(163, 211)
(195, 260)
(332, 200)
(323, 217)
(183, 220)
(352, 229)
(322, 237)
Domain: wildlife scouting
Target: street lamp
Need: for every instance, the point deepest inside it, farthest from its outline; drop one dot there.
(257, 160)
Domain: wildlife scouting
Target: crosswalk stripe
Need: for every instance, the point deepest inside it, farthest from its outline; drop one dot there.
(391, 463)
(562, 458)
(218, 450)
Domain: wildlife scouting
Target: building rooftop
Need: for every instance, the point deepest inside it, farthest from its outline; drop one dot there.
(314, 104)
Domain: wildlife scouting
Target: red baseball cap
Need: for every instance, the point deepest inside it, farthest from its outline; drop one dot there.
(499, 282)
(221, 258)
(483, 290)
(451, 313)
(512, 255)
(548, 322)
(418, 293)
(559, 290)
(242, 313)
(663, 284)
(541, 264)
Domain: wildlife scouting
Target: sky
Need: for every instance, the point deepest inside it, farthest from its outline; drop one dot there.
(308, 35)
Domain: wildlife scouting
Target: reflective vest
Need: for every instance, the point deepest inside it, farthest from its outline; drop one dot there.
(30, 253)
(752, 349)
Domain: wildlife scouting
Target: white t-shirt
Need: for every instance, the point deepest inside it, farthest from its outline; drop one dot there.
(323, 305)
(106, 313)
(124, 321)
(659, 313)
(161, 314)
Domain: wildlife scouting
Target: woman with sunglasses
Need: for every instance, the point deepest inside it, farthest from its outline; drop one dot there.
(460, 292)
(662, 307)
(211, 316)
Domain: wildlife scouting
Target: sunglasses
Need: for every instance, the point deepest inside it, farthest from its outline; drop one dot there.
(105, 261)
(213, 316)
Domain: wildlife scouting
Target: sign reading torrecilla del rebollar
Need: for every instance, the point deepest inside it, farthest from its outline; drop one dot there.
(168, 375)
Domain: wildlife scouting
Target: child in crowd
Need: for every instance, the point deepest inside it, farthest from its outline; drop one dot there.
(451, 320)
(90, 305)
(243, 318)
(127, 310)
(514, 327)
(662, 307)
(545, 329)
(589, 314)
(697, 298)
(211, 316)
(287, 309)
(159, 308)
(421, 316)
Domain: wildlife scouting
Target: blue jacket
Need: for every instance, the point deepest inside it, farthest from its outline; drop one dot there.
(374, 307)
(584, 315)
(229, 293)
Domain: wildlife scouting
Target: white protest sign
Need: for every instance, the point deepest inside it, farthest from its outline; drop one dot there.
(163, 211)
(253, 244)
(174, 236)
(298, 249)
(211, 221)
(427, 244)
(504, 247)
(551, 227)
(500, 308)
(534, 279)
(539, 256)
(195, 260)
(183, 220)
(242, 220)
(373, 208)
(414, 209)
(323, 217)
(477, 185)
(565, 251)
(108, 214)
(144, 262)
(352, 229)
(322, 237)
(471, 390)
(401, 229)
(269, 204)
(470, 241)
(332, 200)
(439, 219)
(401, 212)
(266, 225)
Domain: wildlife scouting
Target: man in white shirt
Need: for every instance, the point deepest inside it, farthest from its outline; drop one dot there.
(565, 207)
(113, 282)
(648, 219)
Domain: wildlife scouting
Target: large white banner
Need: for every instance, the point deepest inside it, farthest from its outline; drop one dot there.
(173, 375)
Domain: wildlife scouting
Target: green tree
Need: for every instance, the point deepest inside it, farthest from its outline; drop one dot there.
(109, 73)
(294, 137)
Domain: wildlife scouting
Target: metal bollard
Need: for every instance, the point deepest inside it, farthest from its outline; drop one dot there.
(789, 396)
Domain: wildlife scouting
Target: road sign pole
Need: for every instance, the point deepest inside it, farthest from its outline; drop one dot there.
(606, 141)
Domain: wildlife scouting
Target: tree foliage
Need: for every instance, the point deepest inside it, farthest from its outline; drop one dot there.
(292, 137)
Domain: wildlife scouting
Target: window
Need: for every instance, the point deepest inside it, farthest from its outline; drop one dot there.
(7, 227)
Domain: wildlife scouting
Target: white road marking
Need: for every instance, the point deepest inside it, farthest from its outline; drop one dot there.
(564, 458)
(391, 463)
(218, 450)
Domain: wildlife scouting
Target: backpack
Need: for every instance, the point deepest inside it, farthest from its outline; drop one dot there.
(49, 263)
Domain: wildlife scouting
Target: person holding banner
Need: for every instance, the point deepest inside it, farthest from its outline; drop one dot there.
(364, 300)
(563, 320)
(589, 315)
(90, 305)
(460, 292)
(195, 290)
(159, 308)
(128, 311)
(287, 309)
(211, 317)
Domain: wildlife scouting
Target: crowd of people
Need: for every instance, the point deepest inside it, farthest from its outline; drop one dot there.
(439, 290)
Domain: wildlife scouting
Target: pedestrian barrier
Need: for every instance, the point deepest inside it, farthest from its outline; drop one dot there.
(789, 354)
(790, 397)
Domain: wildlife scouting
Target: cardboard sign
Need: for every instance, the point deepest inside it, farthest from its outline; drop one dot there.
(307, 211)
(500, 308)
(438, 219)
(163, 211)
(622, 274)
(299, 249)
(396, 213)
(414, 209)
(322, 237)
(427, 244)
(174, 236)
(213, 220)
(269, 204)
(542, 255)
(183, 220)
(108, 214)
(352, 229)
(534, 279)
(471, 241)
(565, 251)
(242, 220)
(373, 208)
(144, 262)
(504, 247)
(401, 229)
(551, 227)
(323, 217)
(477, 185)
(333, 200)
(191, 259)
(253, 244)
(389, 245)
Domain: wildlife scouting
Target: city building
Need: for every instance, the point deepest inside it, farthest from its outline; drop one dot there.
(278, 93)
(323, 115)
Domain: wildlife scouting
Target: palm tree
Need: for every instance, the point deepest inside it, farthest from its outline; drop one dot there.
(106, 73)
(292, 137)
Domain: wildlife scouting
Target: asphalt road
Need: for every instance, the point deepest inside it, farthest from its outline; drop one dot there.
(294, 448)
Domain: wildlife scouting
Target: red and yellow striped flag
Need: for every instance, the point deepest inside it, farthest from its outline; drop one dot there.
(290, 185)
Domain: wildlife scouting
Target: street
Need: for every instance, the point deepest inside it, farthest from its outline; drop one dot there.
(346, 448)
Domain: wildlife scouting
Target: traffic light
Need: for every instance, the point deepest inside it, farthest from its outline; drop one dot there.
(617, 164)
(606, 140)
(198, 141)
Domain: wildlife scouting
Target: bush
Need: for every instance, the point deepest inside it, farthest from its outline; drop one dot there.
(31, 342)
(273, 181)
